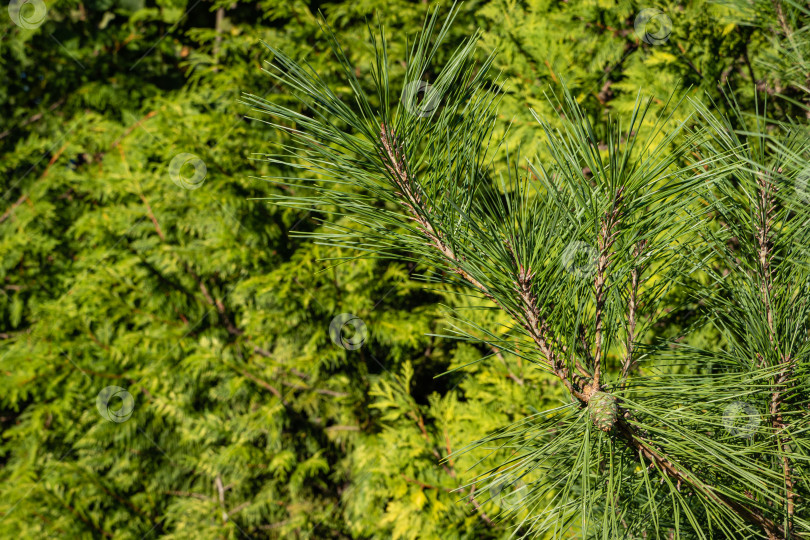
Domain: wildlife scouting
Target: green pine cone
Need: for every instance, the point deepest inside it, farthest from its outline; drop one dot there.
(603, 410)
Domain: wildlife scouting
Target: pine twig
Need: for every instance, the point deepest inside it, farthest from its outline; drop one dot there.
(674, 471)
(765, 208)
(607, 237)
(532, 320)
(632, 307)
(783, 440)
(397, 166)
(477, 506)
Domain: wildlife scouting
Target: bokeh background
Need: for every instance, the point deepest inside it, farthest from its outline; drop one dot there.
(166, 364)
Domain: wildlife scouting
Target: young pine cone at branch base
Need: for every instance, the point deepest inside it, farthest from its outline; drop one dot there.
(603, 410)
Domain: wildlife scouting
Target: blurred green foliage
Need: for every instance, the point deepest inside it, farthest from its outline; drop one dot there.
(248, 420)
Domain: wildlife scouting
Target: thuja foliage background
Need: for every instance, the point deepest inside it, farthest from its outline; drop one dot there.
(246, 419)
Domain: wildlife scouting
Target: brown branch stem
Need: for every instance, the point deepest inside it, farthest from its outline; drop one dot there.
(607, 237)
(632, 307)
(765, 213)
(672, 470)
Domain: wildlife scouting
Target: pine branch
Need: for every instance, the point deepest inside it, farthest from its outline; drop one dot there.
(398, 168)
(506, 245)
(674, 471)
(765, 213)
(607, 237)
(536, 325)
(632, 306)
(783, 441)
(477, 506)
(765, 209)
